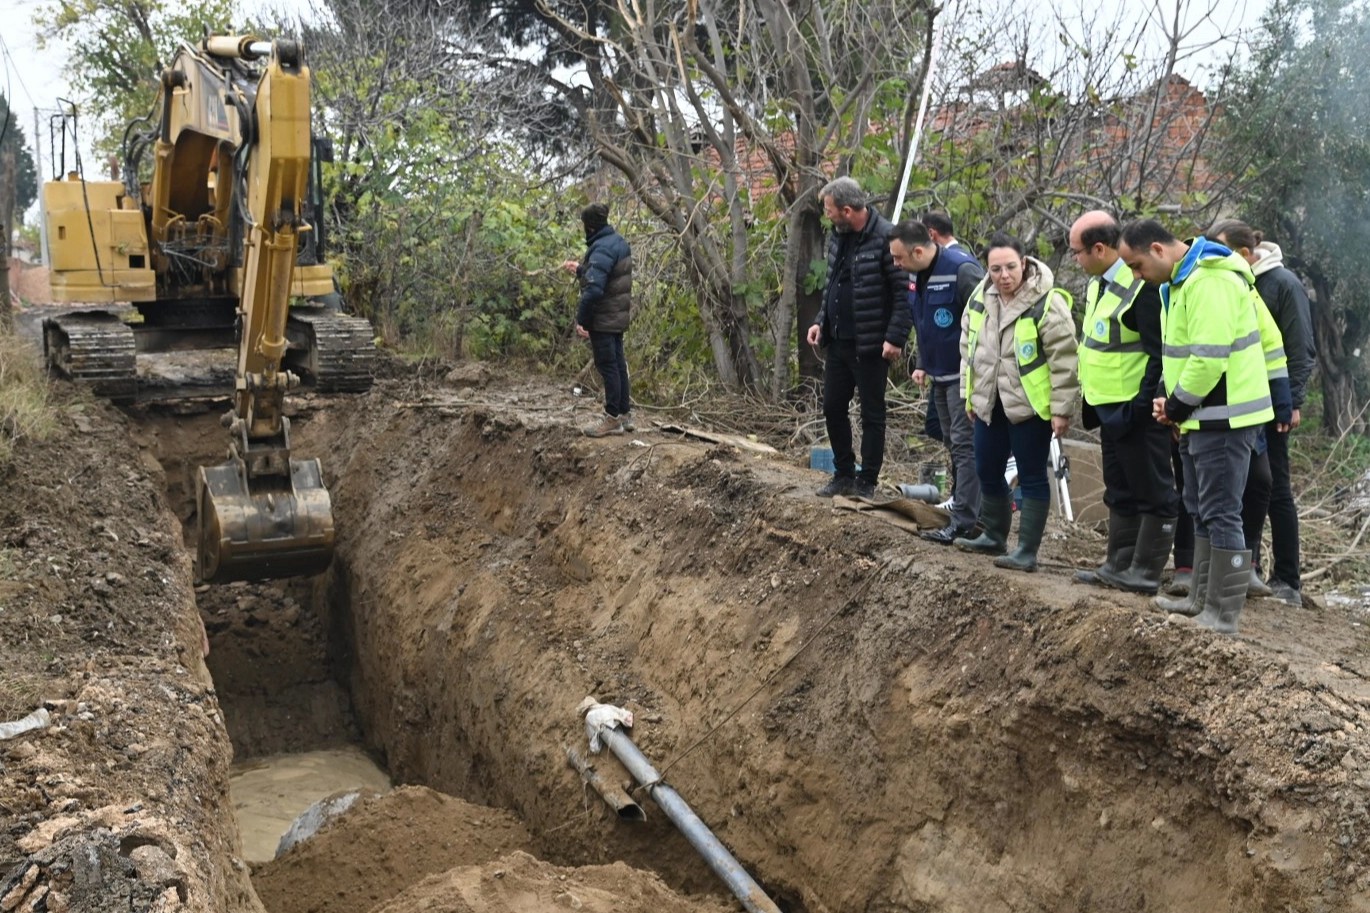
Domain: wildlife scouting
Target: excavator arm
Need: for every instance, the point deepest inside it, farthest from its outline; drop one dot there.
(263, 514)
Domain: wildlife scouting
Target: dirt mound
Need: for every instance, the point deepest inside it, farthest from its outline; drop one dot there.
(380, 847)
(518, 883)
(98, 623)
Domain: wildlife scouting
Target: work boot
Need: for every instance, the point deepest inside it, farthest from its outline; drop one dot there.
(1122, 539)
(996, 515)
(1154, 539)
(1179, 584)
(1286, 594)
(626, 419)
(608, 425)
(1032, 522)
(1192, 603)
(838, 485)
(1228, 578)
(1255, 586)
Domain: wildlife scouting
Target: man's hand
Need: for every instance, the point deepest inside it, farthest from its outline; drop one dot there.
(919, 377)
(1060, 424)
(582, 332)
(890, 352)
(570, 266)
(1158, 411)
(815, 335)
(1294, 420)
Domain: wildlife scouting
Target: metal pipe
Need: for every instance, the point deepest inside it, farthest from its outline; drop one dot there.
(683, 817)
(611, 793)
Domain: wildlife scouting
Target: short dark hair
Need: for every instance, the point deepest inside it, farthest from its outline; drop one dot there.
(911, 233)
(1237, 233)
(1145, 232)
(939, 222)
(1105, 233)
(595, 216)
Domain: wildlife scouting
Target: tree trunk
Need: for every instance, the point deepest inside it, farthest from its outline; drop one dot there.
(1340, 412)
(808, 246)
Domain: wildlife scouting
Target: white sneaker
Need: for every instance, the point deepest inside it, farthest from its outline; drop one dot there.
(946, 505)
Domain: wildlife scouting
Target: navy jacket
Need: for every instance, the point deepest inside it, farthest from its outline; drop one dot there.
(879, 289)
(937, 297)
(606, 283)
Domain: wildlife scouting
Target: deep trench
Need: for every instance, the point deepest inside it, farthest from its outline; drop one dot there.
(969, 749)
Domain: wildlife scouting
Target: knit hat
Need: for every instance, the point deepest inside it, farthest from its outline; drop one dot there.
(595, 216)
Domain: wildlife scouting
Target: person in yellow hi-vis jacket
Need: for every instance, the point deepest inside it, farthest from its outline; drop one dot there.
(1018, 360)
(1222, 360)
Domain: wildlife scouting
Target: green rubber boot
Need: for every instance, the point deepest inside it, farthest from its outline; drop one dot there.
(1122, 540)
(996, 514)
(1192, 603)
(1032, 522)
(1228, 579)
(1154, 540)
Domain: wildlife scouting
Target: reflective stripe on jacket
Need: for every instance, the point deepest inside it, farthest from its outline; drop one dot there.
(1218, 360)
(1112, 358)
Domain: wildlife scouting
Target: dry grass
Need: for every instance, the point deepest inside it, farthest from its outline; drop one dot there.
(25, 413)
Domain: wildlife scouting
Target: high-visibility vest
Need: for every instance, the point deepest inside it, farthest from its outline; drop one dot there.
(1243, 359)
(1112, 361)
(1033, 369)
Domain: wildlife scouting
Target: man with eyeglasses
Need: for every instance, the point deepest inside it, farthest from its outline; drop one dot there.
(1120, 372)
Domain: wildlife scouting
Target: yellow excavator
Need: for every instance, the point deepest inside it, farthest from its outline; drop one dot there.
(210, 250)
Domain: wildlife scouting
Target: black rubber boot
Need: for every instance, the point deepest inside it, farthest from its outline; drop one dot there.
(996, 514)
(1122, 539)
(1032, 522)
(1192, 603)
(1148, 560)
(1228, 579)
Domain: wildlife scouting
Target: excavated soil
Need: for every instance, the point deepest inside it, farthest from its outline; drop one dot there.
(868, 721)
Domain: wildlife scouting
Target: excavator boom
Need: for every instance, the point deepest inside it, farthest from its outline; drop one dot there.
(262, 513)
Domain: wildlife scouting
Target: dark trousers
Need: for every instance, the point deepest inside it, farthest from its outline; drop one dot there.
(1216, 464)
(1184, 523)
(1137, 471)
(1284, 516)
(1030, 444)
(613, 367)
(1256, 502)
(845, 373)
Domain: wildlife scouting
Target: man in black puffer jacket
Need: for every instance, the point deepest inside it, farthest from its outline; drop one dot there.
(606, 297)
(863, 324)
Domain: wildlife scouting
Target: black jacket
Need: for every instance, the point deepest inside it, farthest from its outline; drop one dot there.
(606, 283)
(879, 289)
(1284, 295)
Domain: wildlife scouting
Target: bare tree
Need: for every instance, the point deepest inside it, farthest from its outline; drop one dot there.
(706, 108)
(1026, 138)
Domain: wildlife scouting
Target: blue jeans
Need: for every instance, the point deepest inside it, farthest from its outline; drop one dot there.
(613, 368)
(1215, 467)
(1030, 444)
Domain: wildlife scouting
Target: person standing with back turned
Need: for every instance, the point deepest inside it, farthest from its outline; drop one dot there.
(606, 298)
(863, 323)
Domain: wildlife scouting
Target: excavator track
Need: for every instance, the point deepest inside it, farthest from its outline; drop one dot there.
(94, 348)
(336, 351)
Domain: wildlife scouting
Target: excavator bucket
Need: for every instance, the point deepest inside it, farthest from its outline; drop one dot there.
(266, 531)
